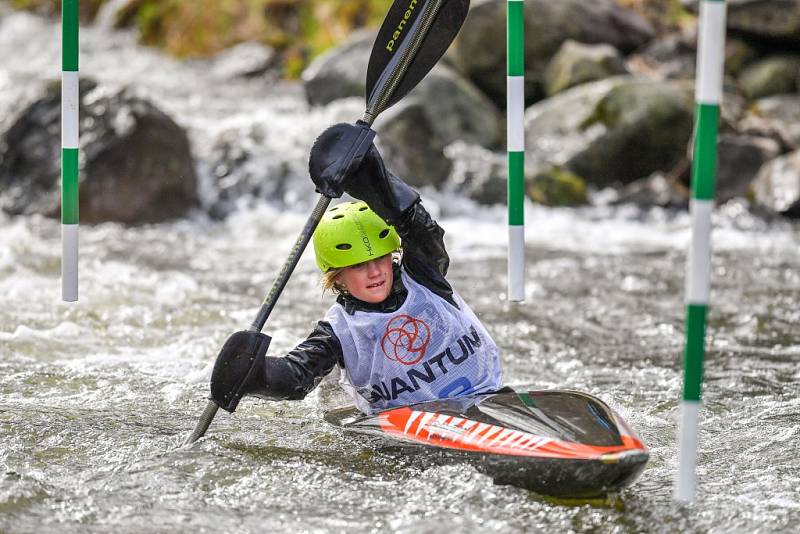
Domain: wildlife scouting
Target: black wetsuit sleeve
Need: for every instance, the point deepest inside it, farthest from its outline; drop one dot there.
(424, 255)
(294, 376)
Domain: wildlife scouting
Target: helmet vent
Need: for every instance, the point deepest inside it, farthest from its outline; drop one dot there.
(383, 233)
(344, 246)
(339, 216)
(363, 208)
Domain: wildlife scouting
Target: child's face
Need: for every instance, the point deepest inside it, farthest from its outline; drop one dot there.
(370, 281)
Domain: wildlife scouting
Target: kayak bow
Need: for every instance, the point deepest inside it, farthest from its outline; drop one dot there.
(558, 443)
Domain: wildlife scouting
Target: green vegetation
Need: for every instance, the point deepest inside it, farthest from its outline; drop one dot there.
(299, 29)
(88, 8)
(664, 15)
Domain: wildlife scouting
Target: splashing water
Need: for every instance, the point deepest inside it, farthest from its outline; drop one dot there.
(97, 396)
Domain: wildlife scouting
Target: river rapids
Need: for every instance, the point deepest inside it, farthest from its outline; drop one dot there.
(97, 396)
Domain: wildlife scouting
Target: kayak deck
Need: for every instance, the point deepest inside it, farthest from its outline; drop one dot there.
(558, 443)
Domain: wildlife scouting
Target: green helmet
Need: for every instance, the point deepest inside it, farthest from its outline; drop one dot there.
(352, 233)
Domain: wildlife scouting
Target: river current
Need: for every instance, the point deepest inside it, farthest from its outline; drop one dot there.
(97, 396)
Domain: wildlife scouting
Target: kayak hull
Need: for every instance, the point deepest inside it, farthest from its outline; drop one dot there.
(558, 443)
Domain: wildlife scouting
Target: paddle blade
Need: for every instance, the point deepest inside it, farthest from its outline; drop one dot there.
(405, 31)
(240, 369)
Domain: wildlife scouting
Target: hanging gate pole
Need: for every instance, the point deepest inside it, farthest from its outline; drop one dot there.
(708, 90)
(515, 106)
(69, 150)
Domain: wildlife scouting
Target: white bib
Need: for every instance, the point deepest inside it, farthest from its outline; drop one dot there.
(427, 349)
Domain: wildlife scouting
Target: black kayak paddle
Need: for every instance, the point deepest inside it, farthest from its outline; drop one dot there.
(414, 36)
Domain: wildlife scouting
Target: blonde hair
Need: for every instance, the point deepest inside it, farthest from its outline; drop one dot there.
(328, 281)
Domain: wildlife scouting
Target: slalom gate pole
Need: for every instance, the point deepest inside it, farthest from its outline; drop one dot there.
(515, 134)
(69, 150)
(708, 90)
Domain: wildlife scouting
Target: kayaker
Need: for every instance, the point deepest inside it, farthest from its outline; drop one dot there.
(399, 331)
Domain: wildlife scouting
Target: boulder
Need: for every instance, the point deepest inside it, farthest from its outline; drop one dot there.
(670, 56)
(456, 109)
(739, 158)
(478, 173)
(770, 76)
(777, 20)
(777, 186)
(738, 55)
(647, 126)
(577, 63)
(612, 131)
(657, 190)
(554, 127)
(246, 60)
(776, 117)
(410, 144)
(557, 187)
(479, 51)
(339, 72)
(771, 19)
(135, 162)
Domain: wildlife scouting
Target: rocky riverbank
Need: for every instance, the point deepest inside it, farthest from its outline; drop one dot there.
(609, 90)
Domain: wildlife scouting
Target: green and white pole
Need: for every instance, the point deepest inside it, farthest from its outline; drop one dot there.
(69, 150)
(708, 92)
(515, 134)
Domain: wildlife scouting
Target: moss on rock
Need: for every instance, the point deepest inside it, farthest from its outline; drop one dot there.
(557, 186)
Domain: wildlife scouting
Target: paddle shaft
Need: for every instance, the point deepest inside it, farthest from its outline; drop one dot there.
(381, 95)
(272, 297)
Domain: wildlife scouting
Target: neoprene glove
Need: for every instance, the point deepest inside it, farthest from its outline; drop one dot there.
(336, 153)
(333, 168)
(240, 369)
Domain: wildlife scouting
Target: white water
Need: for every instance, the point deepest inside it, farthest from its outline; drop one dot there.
(96, 397)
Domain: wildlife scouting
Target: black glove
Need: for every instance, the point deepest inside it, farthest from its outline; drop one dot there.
(336, 153)
(364, 178)
(387, 195)
(240, 369)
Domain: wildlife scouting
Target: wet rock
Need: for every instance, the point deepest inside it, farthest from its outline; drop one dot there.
(773, 19)
(340, 72)
(738, 54)
(673, 56)
(249, 163)
(771, 76)
(777, 186)
(246, 60)
(576, 63)
(456, 109)
(739, 159)
(410, 144)
(776, 117)
(647, 128)
(480, 49)
(670, 56)
(612, 131)
(554, 128)
(135, 166)
(657, 190)
(478, 173)
(776, 20)
(557, 187)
